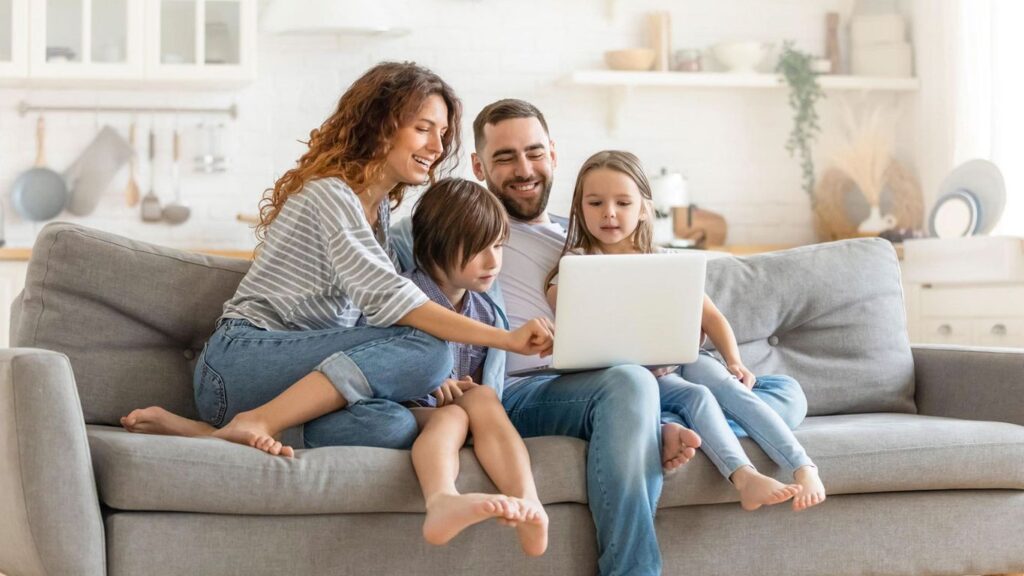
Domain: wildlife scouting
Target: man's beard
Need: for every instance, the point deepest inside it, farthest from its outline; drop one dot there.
(523, 210)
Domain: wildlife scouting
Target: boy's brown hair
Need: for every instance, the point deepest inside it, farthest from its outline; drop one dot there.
(453, 221)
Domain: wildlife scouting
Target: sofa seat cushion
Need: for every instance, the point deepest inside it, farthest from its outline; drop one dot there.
(882, 452)
(164, 473)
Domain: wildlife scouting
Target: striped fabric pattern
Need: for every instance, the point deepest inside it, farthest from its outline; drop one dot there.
(322, 266)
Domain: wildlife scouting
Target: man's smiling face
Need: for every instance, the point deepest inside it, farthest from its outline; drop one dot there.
(517, 161)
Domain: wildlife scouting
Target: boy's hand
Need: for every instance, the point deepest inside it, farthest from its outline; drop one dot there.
(535, 337)
(743, 375)
(466, 382)
(659, 372)
(448, 392)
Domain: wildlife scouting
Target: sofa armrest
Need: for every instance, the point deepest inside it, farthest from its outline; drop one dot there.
(970, 383)
(51, 515)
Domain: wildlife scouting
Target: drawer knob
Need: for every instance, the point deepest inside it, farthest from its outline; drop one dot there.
(999, 330)
(945, 329)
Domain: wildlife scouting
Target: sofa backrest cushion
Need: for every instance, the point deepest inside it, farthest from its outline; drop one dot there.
(131, 317)
(830, 315)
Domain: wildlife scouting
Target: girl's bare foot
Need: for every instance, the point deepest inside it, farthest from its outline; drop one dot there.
(758, 490)
(532, 527)
(813, 492)
(251, 431)
(678, 445)
(156, 420)
(450, 514)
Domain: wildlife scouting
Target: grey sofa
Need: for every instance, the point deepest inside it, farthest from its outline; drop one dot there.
(922, 448)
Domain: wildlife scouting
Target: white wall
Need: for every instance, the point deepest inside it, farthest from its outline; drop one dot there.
(730, 143)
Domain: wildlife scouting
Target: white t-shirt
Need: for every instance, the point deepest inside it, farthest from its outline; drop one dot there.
(531, 252)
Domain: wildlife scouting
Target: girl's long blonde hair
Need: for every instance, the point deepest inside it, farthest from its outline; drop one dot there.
(353, 143)
(578, 239)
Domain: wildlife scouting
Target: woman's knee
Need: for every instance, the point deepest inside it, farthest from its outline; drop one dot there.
(432, 355)
(376, 423)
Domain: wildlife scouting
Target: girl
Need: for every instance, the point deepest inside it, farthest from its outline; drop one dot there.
(286, 350)
(611, 214)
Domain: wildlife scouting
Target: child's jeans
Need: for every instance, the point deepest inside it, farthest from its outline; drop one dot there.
(375, 369)
(706, 398)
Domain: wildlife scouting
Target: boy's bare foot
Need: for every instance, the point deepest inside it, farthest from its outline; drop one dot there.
(532, 527)
(813, 492)
(156, 420)
(249, 431)
(758, 490)
(678, 445)
(450, 514)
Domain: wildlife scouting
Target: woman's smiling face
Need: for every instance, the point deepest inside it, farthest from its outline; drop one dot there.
(418, 144)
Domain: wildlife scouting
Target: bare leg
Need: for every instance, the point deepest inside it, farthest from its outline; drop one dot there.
(813, 492)
(156, 420)
(503, 455)
(435, 456)
(308, 399)
(758, 490)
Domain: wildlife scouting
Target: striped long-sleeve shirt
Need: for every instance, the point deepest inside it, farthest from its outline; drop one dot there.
(322, 266)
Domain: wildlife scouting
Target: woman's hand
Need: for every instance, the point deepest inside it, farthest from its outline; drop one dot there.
(452, 389)
(743, 375)
(659, 372)
(535, 337)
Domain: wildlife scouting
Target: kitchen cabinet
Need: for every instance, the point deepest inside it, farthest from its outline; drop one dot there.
(161, 43)
(12, 280)
(13, 39)
(981, 314)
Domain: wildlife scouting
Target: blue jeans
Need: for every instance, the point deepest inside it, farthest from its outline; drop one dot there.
(705, 397)
(243, 367)
(617, 410)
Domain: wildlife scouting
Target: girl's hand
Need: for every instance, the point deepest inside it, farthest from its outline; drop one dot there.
(535, 337)
(743, 375)
(448, 392)
(466, 382)
(659, 372)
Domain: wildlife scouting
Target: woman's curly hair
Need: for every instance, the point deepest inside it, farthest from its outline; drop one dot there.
(353, 143)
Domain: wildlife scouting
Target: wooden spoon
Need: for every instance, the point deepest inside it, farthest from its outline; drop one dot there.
(131, 193)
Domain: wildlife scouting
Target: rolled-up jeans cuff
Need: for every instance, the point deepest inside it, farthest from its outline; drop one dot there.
(346, 377)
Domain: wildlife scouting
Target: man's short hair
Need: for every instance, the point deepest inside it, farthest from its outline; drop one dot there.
(454, 220)
(506, 109)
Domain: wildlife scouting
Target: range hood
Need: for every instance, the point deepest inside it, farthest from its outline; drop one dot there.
(338, 17)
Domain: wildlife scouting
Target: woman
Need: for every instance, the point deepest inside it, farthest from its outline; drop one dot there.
(286, 350)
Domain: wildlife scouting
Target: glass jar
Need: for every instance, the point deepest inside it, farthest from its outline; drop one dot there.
(687, 60)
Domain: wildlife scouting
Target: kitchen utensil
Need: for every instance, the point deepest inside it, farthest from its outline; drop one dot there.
(151, 211)
(985, 182)
(90, 175)
(39, 193)
(635, 59)
(703, 227)
(131, 192)
(740, 57)
(176, 212)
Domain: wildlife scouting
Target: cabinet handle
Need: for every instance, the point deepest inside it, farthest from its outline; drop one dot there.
(945, 329)
(999, 330)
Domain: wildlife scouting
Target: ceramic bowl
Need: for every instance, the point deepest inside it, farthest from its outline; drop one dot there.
(635, 59)
(740, 56)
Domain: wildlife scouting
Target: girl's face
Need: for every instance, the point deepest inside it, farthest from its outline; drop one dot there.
(612, 208)
(417, 145)
(480, 272)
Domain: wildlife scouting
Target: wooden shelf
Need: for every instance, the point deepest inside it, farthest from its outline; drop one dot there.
(613, 78)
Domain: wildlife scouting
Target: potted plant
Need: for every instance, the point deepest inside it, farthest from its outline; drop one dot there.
(804, 93)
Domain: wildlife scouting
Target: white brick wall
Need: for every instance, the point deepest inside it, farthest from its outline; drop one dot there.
(729, 143)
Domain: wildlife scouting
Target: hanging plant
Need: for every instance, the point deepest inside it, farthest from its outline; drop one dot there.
(804, 93)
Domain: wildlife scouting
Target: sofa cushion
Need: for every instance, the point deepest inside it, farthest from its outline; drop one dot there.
(856, 454)
(830, 315)
(132, 317)
(866, 453)
(143, 472)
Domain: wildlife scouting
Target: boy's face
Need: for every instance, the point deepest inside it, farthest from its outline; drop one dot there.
(480, 272)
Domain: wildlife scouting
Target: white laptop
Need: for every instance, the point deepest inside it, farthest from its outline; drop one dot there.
(626, 309)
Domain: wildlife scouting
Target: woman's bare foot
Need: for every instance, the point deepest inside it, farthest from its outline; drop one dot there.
(678, 445)
(813, 492)
(156, 420)
(532, 527)
(250, 431)
(450, 514)
(758, 490)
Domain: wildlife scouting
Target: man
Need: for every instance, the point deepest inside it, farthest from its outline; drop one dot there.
(616, 410)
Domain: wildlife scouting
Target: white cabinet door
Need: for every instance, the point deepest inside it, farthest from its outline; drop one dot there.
(13, 39)
(86, 39)
(209, 40)
(12, 280)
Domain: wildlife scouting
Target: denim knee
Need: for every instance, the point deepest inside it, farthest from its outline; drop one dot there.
(791, 393)
(433, 356)
(632, 390)
(377, 423)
